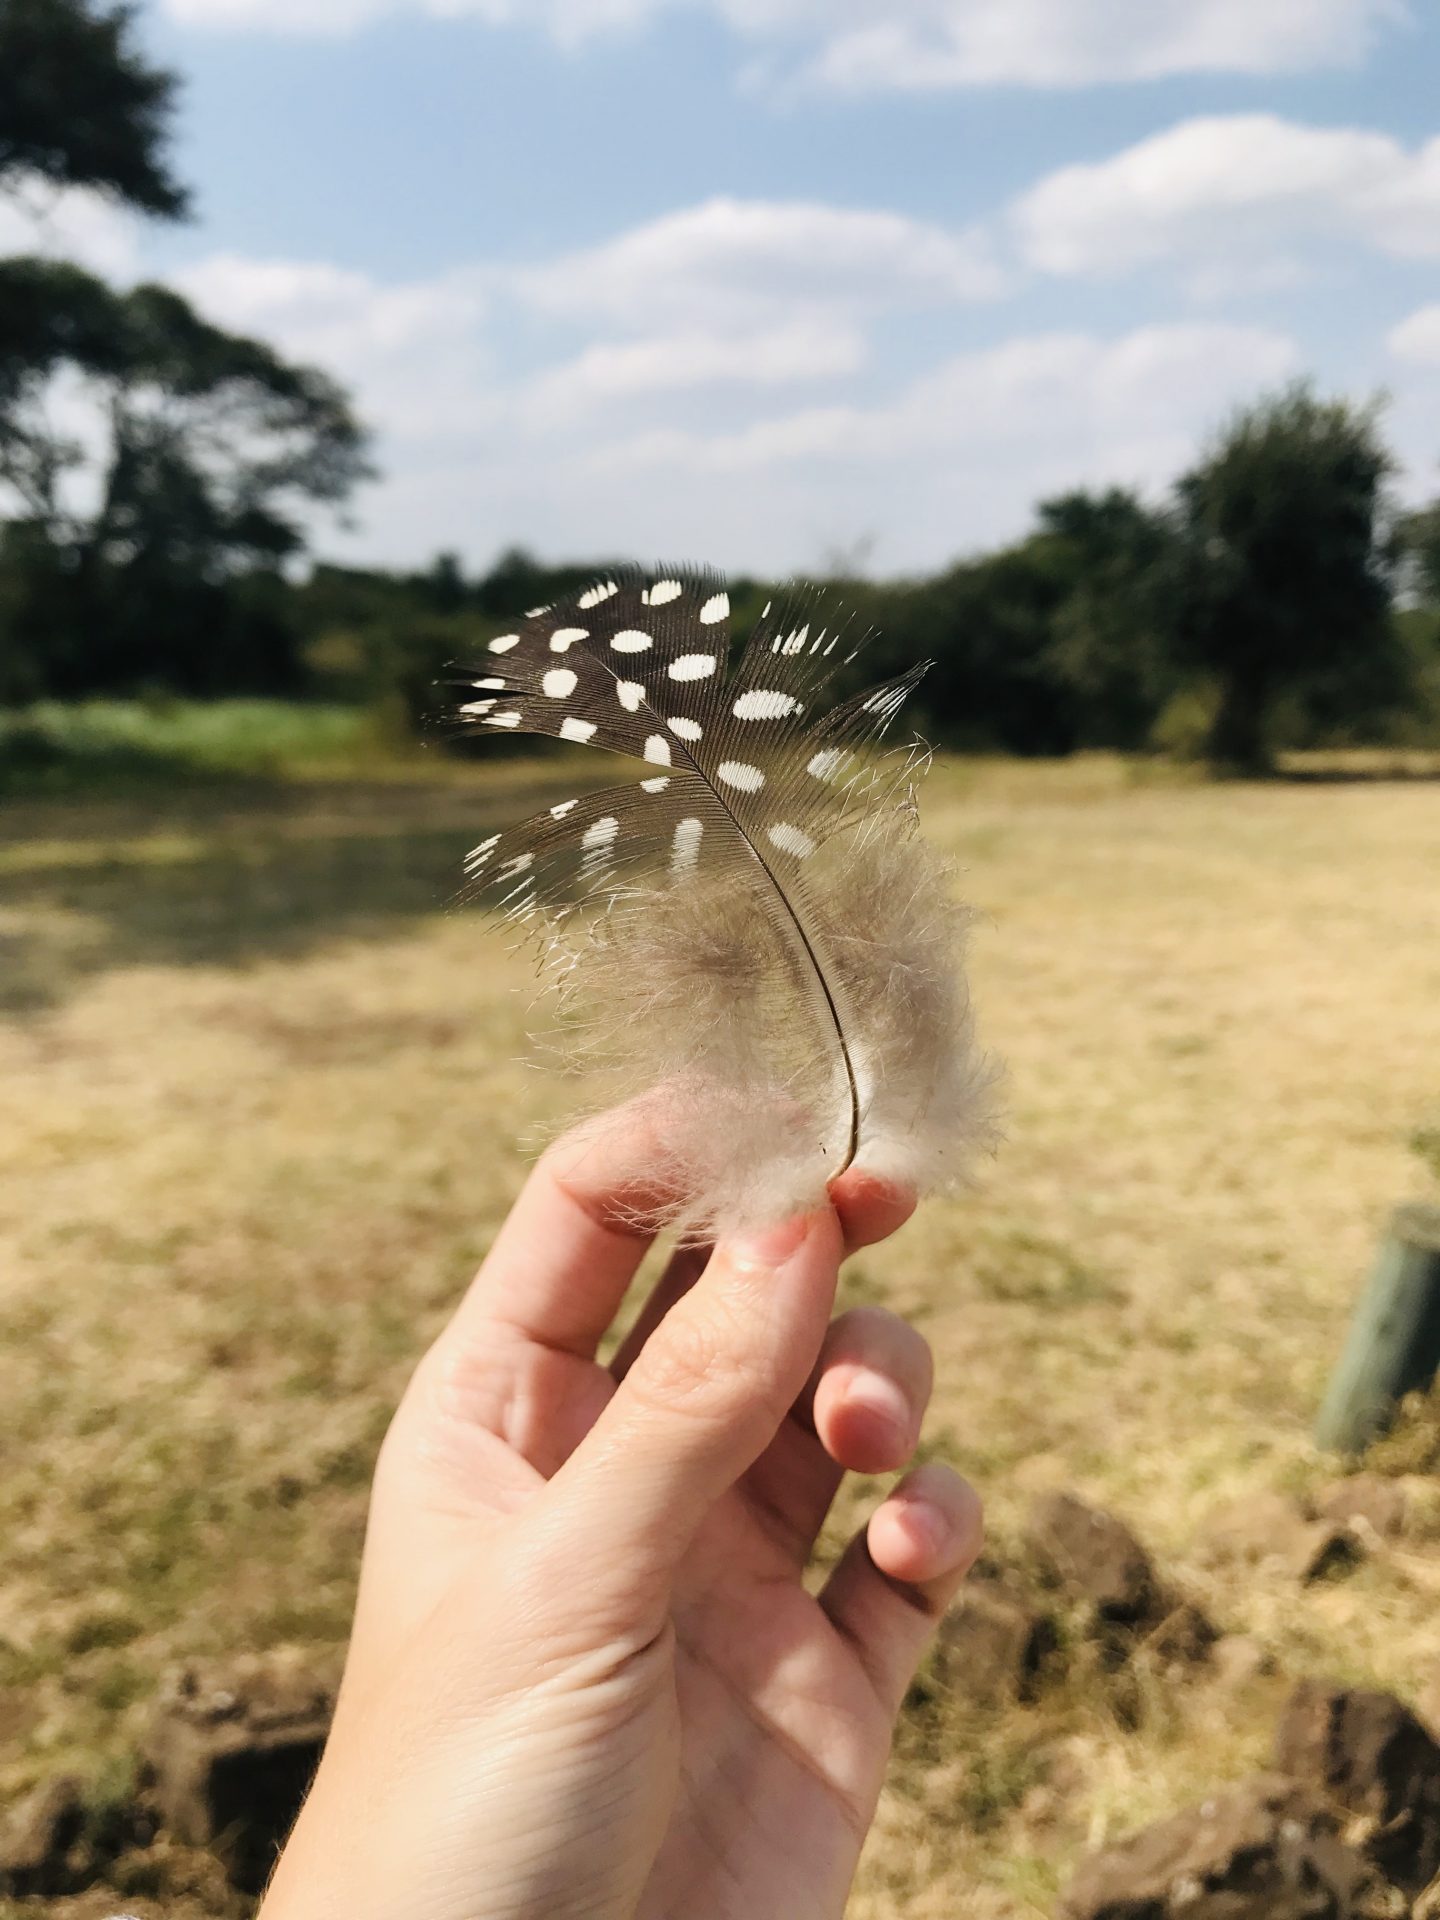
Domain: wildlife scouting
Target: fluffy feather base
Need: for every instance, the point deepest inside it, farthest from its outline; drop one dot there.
(696, 997)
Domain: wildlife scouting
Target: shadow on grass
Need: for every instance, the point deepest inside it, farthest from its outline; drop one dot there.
(229, 873)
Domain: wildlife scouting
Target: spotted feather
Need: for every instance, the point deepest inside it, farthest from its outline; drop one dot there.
(768, 921)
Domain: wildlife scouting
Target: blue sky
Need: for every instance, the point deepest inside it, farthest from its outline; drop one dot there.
(762, 281)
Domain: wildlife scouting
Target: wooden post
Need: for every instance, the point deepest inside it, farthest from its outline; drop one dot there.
(1394, 1341)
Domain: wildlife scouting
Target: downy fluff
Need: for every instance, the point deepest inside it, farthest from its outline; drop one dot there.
(751, 935)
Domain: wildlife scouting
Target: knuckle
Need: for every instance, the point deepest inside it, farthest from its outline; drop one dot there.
(698, 1366)
(874, 1336)
(864, 1328)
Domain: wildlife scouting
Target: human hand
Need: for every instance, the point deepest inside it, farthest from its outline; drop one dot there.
(586, 1678)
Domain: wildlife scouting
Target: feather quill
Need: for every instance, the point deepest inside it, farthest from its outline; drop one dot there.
(751, 935)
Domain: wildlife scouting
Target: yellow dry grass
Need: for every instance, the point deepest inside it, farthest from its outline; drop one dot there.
(262, 1103)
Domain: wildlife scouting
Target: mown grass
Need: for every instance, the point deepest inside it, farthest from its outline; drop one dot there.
(265, 1101)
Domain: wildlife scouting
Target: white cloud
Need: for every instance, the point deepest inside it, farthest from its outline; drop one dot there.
(924, 44)
(728, 295)
(1417, 339)
(415, 354)
(617, 371)
(743, 262)
(953, 460)
(72, 225)
(933, 44)
(674, 427)
(1040, 391)
(1235, 198)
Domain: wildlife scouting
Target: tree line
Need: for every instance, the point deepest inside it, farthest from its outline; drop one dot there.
(1274, 598)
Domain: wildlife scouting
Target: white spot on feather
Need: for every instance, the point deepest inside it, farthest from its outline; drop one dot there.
(631, 640)
(496, 680)
(686, 848)
(662, 593)
(479, 855)
(605, 591)
(827, 763)
(563, 638)
(559, 682)
(657, 750)
(600, 833)
(508, 719)
(717, 607)
(504, 642)
(795, 642)
(687, 729)
(692, 666)
(478, 706)
(763, 703)
(561, 808)
(655, 786)
(790, 839)
(573, 729)
(534, 613)
(630, 693)
(740, 773)
(516, 865)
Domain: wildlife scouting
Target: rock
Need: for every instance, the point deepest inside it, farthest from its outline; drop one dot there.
(992, 1645)
(1269, 1531)
(231, 1750)
(1183, 1635)
(1366, 1500)
(1095, 1557)
(39, 1836)
(1268, 1850)
(1370, 1755)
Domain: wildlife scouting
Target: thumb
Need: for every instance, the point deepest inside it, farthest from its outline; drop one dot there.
(697, 1407)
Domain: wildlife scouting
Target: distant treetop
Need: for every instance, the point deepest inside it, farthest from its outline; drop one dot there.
(81, 107)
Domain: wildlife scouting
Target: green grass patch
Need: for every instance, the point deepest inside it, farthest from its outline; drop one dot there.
(56, 748)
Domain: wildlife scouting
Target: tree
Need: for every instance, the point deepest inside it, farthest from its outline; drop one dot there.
(1110, 645)
(147, 540)
(210, 450)
(1418, 539)
(80, 106)
(1053, 643)
(1282, 587)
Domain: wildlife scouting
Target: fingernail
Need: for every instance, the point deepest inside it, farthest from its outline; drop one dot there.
(772, 1246)
(928, 1527)
(881, 1402)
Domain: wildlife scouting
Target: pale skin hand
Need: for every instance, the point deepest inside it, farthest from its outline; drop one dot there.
(585, 1677)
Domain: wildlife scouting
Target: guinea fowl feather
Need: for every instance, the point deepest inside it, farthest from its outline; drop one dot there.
(751, 936)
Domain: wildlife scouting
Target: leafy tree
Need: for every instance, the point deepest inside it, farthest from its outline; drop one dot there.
(203, 452)
(211, 449)
(1110, 642)
(1283, 586)
(81, 107)
(1418, 539)
(1050, 644)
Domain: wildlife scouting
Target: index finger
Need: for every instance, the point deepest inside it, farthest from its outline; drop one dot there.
(571, 1244)
(869, 1207)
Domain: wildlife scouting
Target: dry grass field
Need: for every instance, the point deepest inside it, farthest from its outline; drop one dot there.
(263, 1102)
